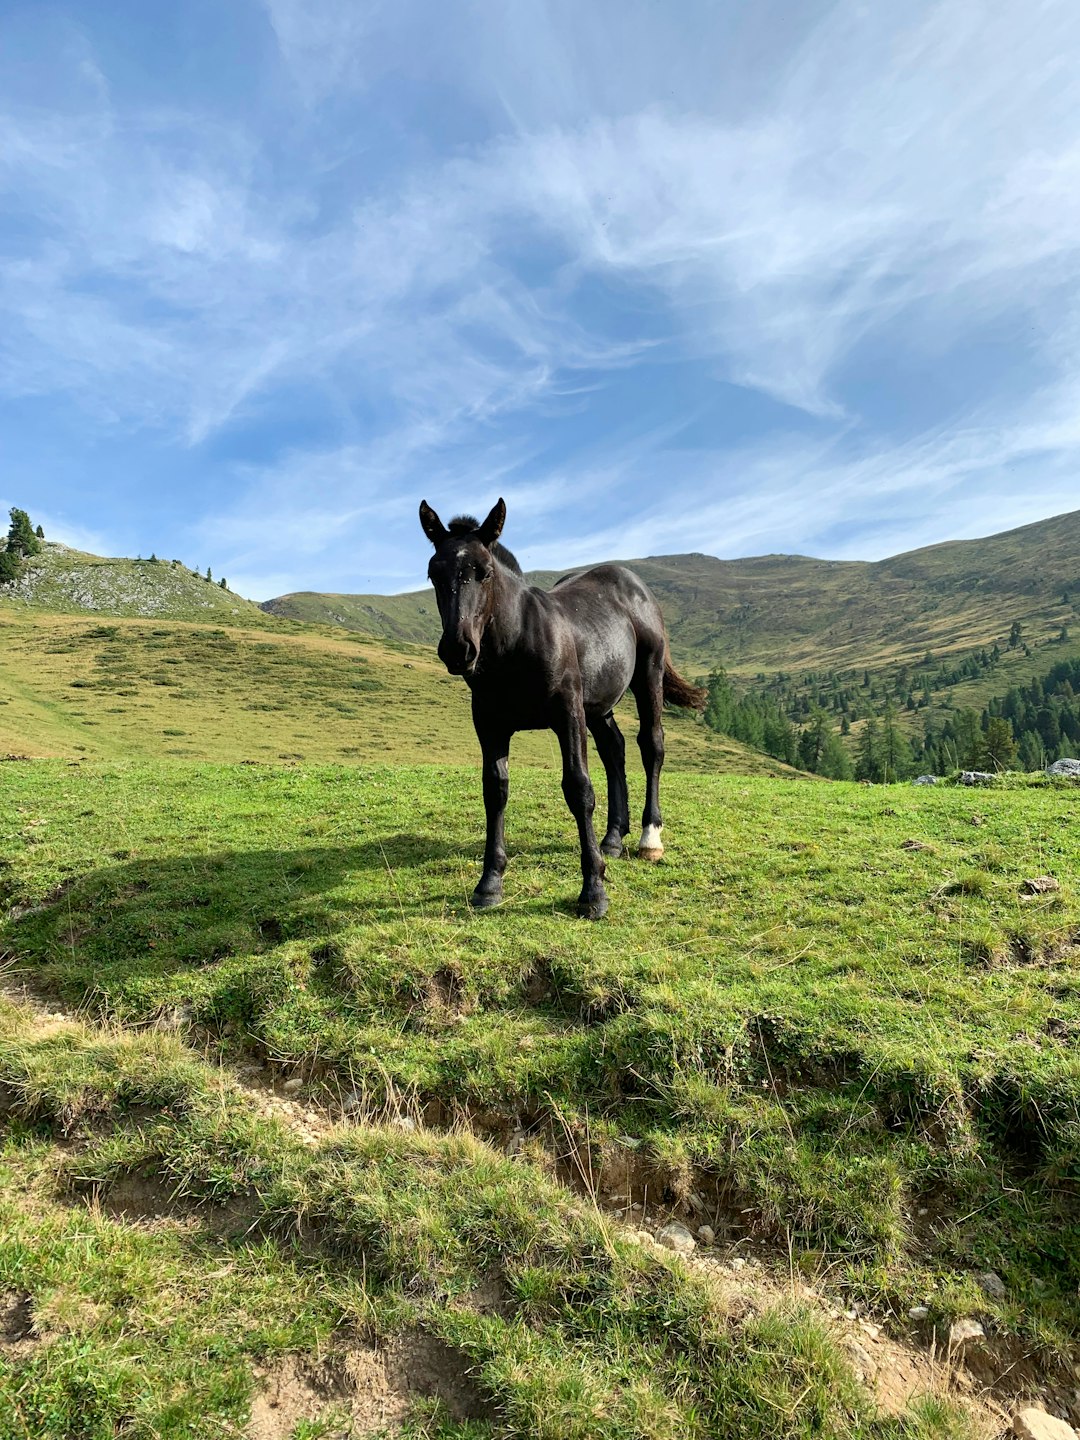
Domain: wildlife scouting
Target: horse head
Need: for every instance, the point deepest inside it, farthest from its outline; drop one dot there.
(462, 571)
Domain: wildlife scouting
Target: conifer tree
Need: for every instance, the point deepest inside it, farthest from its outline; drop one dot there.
(998, 750)
(868, 755)
(21, 538)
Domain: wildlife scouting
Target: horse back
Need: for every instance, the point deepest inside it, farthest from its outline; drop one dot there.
(613, 618)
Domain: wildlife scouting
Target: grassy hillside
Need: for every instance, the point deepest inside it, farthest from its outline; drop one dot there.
(73, 686)
(793, 613)
(833, 1026)
(64, 580)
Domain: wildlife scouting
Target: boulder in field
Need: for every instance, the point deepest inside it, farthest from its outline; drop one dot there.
(1064, 767)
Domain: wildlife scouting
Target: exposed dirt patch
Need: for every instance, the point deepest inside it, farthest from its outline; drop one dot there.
(148, 1200)
(364, 1388)
(446, 992)
(16, 1323)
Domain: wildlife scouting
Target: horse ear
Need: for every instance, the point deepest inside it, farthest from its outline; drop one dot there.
(433, 527)
(491, 529)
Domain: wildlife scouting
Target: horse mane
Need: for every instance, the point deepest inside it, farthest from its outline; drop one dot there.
(466, 524)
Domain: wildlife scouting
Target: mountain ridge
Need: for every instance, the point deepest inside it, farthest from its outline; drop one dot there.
(794, 612)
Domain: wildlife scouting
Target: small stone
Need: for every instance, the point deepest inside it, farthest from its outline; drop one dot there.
(861, 1358)
(676, 1237)
(1035, 1424)
(927, 780)
(964, 1331)
(923, 1211)
(992, 1284)
(915, 845)
(918, 1312)
(976, 777)
(292, 1086)
(706, 1234)
(738, 1264)
(697, 1202)
(1040, 885)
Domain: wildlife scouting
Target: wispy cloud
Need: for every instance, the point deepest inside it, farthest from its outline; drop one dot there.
(457, 240)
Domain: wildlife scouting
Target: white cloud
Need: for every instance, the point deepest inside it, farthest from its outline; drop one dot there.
(880, 176)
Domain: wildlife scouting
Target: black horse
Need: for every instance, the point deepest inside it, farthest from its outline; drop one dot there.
(559, 660)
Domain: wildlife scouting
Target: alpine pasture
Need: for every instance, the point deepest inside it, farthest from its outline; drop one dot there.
(296, 1143)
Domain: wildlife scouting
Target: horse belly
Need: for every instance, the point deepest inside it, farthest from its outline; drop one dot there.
(606, 671)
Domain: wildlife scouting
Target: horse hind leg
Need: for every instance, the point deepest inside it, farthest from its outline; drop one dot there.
(611, 747)
(648, 689)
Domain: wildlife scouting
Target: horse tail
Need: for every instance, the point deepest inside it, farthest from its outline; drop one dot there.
(678, 691)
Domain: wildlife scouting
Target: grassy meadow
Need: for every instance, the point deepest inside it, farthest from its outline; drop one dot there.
(81, 687)
(832, 1022)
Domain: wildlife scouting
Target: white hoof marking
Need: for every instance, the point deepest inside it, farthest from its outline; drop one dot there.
(650, 846)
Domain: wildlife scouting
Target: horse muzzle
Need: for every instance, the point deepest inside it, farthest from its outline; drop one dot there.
(459, 656)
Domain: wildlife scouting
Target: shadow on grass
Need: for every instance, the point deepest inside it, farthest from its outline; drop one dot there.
(154, 916)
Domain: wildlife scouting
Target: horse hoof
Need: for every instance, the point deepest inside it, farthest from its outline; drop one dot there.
(651, 853)
(486, 901)
(612, 849)
(593, 909)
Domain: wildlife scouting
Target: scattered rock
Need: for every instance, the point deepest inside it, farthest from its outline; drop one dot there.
(927, 780)
(1035, 1424)
(861, 1358)
(918, 1312)
(676, 1237)
(1040, 885)
(292, 1086)
(962, 1332)
(706, 1234)
(1064, 767)
(738, 1264)
(976, 777)
(992, 1284)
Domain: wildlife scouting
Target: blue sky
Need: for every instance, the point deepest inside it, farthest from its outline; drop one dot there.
(699, 276)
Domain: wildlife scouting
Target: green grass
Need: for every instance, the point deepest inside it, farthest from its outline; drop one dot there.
(862, 1050)
(257, 1248)
(115, 688)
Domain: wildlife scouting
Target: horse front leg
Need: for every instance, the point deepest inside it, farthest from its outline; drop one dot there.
(581, 799)
(496, 750)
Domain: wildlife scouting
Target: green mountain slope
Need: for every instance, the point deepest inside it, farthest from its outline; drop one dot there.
(796, 613)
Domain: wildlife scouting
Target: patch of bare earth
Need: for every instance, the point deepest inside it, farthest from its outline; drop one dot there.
(17, 1334)
(363, 1389)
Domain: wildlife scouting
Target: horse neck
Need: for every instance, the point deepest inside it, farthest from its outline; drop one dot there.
(505, 622)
